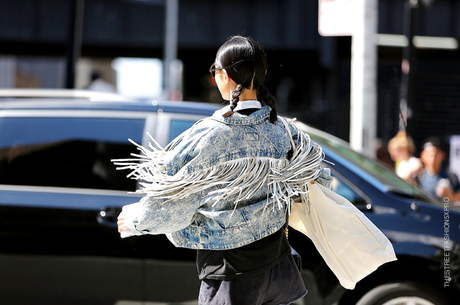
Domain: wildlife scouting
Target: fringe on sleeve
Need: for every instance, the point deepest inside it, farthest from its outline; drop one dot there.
(241, 177)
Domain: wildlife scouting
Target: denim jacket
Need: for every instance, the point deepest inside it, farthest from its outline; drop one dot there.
(225, 182)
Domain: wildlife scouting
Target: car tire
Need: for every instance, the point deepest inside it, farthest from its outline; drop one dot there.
(403, 293)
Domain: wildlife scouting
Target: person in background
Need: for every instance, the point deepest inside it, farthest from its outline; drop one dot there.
(383, 155)
(401, 149)
(435, 179)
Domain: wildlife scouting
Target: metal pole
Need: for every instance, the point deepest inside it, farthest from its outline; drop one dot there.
(170, 49)
(363, 103)
(408, 67)
(74, 41)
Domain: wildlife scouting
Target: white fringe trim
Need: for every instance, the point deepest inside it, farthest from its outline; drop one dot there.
(285, 178)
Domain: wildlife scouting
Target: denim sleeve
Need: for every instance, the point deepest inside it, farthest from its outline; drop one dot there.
(160, 216)
(187, 146)
(325, 177)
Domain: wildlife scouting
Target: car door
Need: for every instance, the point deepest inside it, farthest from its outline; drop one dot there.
(170, 272)
(60, 195)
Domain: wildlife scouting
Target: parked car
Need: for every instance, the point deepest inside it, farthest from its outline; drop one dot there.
(424, 234)
(60, 195)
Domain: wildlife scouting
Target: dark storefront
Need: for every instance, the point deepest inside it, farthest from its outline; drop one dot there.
(309, 74)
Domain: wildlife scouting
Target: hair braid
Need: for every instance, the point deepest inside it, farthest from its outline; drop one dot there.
(234, 99)
(270, 101)
(236, 96)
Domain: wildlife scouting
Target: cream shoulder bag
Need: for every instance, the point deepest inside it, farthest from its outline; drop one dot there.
(352, 246)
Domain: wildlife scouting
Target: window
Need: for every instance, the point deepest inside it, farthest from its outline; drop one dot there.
(178, 127)
(347, 192)
(67, 152)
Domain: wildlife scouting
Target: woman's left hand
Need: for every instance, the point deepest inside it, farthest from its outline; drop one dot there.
(122, 227)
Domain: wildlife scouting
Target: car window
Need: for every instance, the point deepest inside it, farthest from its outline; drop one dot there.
(392, 182)
(67, 152)
(347, 192)
(179, 126)
(375, 170)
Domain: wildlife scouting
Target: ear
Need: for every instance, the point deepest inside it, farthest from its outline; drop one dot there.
(227, 78)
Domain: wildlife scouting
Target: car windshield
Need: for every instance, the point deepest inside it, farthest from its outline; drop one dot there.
(383, 174)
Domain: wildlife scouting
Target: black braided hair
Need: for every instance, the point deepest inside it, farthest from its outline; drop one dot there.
(236, 96)
(246, 64)
(269, 100)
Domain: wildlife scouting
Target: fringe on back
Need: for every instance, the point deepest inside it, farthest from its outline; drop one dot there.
(242, 177)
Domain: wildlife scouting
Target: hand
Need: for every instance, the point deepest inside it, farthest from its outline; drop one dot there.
(122, 227)
(443, 189)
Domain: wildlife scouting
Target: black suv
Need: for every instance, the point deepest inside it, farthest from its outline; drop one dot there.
(60, 195)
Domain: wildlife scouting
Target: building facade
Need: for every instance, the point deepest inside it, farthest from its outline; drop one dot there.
(308, 74)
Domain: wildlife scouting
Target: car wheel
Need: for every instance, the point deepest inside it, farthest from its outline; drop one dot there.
(403, 293)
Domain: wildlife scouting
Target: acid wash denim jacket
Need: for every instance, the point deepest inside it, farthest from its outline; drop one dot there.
(225, 182)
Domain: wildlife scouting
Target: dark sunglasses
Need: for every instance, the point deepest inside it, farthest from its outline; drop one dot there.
(213, 70)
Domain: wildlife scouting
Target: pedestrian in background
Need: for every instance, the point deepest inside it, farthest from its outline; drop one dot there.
(402, 149)
(435, 179)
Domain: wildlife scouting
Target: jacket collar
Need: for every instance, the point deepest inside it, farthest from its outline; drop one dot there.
(256, 117)
(251, 104)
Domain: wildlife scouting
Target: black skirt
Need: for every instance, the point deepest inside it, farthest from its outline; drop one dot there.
(281, 284)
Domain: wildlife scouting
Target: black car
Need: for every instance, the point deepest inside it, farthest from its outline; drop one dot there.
(60, 195)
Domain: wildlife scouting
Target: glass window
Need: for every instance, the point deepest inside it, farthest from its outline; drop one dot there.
(67, 152)
(347, 192)
(380, 173)
(178, 127)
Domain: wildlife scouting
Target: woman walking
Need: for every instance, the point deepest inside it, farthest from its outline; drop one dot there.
(225, 186)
